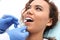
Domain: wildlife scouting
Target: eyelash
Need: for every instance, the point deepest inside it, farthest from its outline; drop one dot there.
(37, 8)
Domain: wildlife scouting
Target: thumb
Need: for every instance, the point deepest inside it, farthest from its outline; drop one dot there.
(23, 28)
(16, 25)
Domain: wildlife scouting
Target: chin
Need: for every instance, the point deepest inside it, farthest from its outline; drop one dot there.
(31, 30)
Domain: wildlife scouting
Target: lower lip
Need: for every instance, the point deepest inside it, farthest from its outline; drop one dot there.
(28, 23)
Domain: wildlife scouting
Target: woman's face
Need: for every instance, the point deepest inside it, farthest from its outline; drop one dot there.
(36, 17)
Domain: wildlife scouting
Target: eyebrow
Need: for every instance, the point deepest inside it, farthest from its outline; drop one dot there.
(38, 6)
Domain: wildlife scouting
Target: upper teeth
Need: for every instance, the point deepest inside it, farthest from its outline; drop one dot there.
(27, 19)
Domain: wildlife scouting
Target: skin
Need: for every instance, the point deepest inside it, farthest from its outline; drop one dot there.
(39, 11)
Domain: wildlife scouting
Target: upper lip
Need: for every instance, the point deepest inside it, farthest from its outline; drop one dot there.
(28, 17)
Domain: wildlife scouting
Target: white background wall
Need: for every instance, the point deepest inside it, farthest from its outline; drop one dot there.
(12, 7)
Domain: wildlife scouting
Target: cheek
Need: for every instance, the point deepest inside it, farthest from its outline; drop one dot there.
(43, 16)
(41, 20)
(35, 29)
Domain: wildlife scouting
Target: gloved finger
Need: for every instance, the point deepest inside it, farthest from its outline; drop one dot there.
(15, 22)
(14, 19)
(23, 28)
(9, 16)
(6, 16)
(16, 25)
(7, 20)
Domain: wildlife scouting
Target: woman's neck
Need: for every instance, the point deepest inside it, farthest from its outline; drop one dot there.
(36, 36)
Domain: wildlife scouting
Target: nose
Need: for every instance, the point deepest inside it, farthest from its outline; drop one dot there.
(29, 12)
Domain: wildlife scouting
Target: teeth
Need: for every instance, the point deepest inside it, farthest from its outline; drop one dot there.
(28, 18)
(25, 20)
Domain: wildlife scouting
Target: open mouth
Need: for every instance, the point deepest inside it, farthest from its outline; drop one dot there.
(28, 20)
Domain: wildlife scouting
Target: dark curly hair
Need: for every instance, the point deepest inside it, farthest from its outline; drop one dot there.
(53, 14)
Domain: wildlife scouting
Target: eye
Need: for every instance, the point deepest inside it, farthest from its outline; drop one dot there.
(38, 9)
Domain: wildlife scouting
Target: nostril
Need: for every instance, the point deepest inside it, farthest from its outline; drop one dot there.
(29, 13)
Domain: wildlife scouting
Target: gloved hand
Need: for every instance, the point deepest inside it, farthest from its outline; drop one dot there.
(18, 33)
(6, 21)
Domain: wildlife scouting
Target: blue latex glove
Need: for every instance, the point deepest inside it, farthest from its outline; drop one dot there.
(18, 34)
(6, 21)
